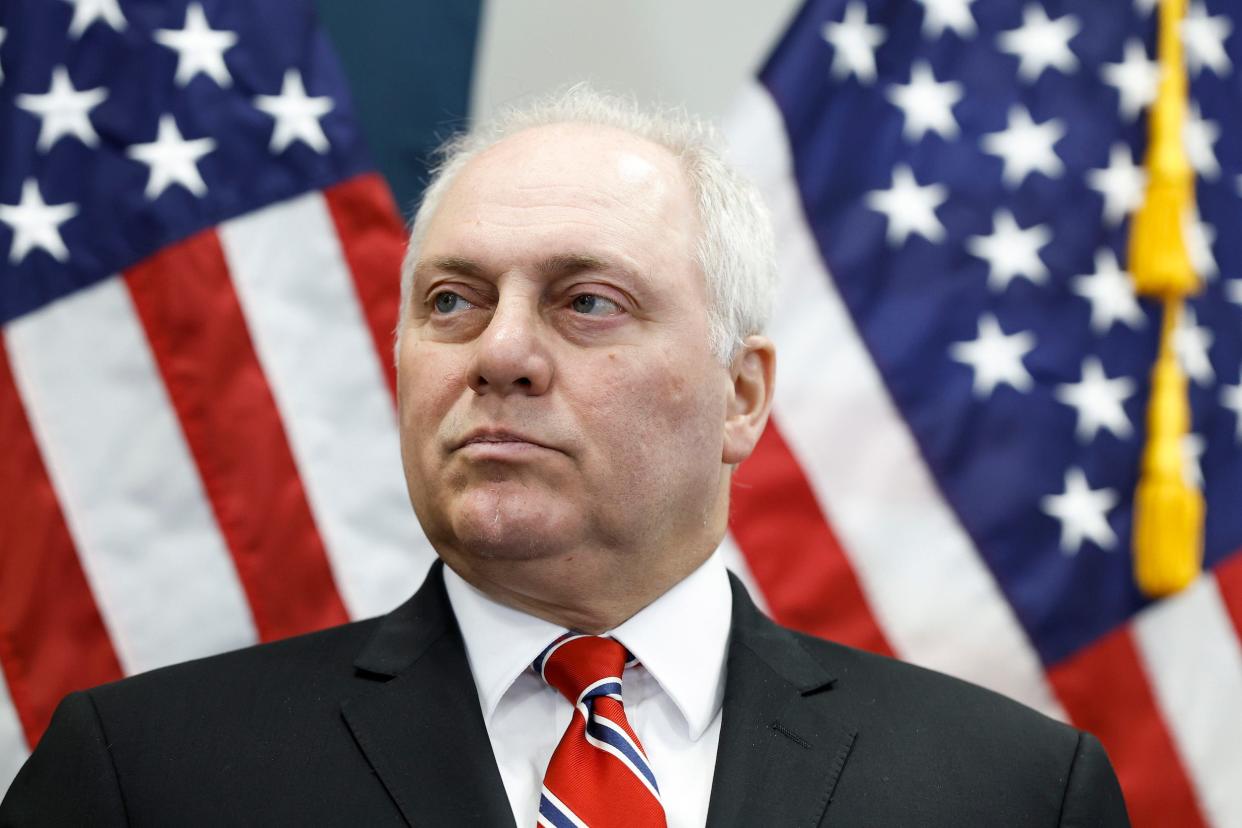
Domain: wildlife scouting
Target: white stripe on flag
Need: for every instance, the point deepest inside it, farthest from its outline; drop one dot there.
(131, 494)
(12, 739)
(1194, 666)
(933, 596)
(735, 562)
(310, 336)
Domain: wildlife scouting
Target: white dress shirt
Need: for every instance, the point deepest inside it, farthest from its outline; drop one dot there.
(672, 697)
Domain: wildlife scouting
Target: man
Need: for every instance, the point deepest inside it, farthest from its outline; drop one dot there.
(581, 366)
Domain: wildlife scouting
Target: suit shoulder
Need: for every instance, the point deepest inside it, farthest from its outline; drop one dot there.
(975, 756)
(322, 657)
(905, 690)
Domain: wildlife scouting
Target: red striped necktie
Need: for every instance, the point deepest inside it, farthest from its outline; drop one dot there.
(599, 775)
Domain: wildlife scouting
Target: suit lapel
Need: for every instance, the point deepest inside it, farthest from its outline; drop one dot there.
(781, 752)
(418, 719)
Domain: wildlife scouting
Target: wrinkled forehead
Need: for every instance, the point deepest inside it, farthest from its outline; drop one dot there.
(600, 175)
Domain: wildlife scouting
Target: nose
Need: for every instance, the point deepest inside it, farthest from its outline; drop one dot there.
(510, 355)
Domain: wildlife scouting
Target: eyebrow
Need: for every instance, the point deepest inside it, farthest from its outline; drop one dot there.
(561, 264)
(564, 264)
(446, 264)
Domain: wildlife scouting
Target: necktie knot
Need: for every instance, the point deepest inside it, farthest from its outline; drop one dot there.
(583, 667)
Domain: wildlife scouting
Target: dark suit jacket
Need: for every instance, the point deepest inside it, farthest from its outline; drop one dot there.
(378, 723)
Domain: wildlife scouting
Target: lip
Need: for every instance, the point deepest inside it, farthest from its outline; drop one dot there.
(498, 442)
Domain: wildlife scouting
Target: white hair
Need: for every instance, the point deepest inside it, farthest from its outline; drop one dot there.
(736, 251)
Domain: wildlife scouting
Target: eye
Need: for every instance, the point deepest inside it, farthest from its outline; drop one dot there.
(446, 301)
(590, 304)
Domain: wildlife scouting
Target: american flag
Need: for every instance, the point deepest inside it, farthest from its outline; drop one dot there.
(963, 366)
(199, 290)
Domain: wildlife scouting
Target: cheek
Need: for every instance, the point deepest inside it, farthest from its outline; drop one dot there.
(654, 407)
(429, 381)
(685, 396)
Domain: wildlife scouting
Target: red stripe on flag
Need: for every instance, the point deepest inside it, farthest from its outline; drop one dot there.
(369, 227)
(1104, 690)
(52, 638)
(1229, 580)
(198, 335)
(792, 551)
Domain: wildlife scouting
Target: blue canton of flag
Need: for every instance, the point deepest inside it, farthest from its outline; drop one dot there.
(128, 127)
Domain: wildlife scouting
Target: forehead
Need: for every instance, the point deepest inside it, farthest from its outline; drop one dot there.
(568, 188)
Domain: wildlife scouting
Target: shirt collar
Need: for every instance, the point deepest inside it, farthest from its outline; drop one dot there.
(501, 641)
(681, 638)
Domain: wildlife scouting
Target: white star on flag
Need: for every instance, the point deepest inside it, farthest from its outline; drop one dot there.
(1231, 398)
(1135, 79)
(171, 159)
(909, 208)
(1193, 446)
(1025, 147)
(926, 103)
(1041, 43)
(200, 48)
(297, 115)
(1122, 183)
(35, 223)
(1145, 7)
(1011, 251)
(1233, 292)
(1199, 237)
(1199, 135)
(1191, 343)
(939, 15)
(1110, 290)
(854, 42)
(995, 357)
(64, 110)
(1204, 38)
(1083, 513)
(1098, 401)
(86, 12)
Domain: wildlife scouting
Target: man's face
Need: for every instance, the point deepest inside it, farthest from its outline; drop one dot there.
(557, 394)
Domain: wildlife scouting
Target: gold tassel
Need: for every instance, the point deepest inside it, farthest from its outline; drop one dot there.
(1168, 511)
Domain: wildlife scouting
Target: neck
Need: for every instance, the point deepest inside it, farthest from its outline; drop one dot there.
(576, 591)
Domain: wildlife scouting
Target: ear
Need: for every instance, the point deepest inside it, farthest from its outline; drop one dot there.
(753, 372)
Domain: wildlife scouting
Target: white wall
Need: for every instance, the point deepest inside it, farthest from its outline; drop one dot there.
(691, 52)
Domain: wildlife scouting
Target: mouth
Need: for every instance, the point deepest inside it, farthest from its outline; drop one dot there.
(496, 441)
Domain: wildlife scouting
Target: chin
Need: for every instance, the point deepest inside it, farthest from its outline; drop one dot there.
(502, 529)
